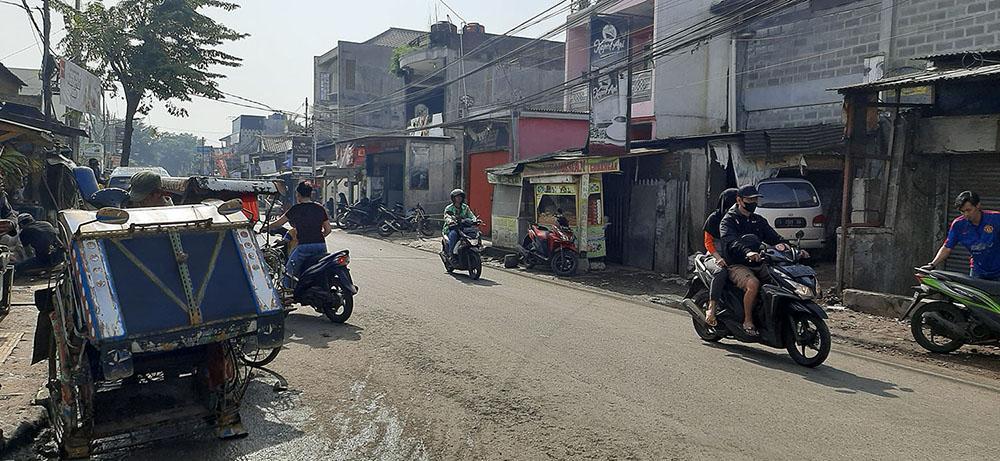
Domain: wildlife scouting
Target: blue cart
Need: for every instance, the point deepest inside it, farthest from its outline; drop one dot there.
(144, 328)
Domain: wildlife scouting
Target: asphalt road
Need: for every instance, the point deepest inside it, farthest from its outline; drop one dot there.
(434, 366)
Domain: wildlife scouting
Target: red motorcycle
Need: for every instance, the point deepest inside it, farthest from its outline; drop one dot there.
(555, 246)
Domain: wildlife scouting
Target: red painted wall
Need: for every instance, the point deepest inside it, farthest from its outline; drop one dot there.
(537, 136)
(480, 190)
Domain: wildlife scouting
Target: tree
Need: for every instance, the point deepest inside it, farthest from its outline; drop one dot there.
(154, 49)
(175, 152)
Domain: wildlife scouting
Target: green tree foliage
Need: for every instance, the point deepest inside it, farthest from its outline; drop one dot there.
(176, 152)
(154, 49)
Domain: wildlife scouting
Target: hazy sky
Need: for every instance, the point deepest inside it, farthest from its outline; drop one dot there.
(284, 37)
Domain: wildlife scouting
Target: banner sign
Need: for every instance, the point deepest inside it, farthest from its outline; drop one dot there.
(267, 167)
(79, 89)
(579, 166)
(609, 53)
(302, 159)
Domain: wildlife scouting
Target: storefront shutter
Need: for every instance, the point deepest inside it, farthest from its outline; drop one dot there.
(979, 173)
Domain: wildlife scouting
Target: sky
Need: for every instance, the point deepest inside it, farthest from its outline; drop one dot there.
(278, 54)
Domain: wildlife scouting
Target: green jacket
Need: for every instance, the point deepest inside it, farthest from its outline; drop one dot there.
(459, 215)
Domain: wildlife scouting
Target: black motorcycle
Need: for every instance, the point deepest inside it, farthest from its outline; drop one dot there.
(785, 315)
(467, 253)
(414, 220)
(325, 282)
(364, 213)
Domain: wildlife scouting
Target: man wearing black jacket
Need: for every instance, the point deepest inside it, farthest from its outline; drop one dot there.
(744, 259)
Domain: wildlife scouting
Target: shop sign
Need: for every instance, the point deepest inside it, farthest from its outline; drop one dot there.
(578, 166)
(555, 189)
(504, 179)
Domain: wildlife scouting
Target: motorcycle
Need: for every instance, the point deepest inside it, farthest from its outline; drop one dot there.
(785, 314)
(325, 283)
(555, 246)
(951, 309)
(364, 213)
(466, 255)
(414, 220)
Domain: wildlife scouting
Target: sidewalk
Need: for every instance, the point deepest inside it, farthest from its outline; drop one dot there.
(19, 381)
(870, 332)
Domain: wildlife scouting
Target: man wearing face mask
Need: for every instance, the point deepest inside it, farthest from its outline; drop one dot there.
(745, 268)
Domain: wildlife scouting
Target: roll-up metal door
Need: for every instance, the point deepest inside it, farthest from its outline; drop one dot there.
(979, 173)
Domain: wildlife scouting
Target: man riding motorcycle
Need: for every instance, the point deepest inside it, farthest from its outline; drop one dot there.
(977, 230)
(745, 268)
(454, 214)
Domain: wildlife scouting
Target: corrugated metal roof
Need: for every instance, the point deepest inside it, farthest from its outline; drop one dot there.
(927, 77)
(270, 145)
(779, 142)
(959, 54)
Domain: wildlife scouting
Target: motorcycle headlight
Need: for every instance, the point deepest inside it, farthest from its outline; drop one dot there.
(804, 291)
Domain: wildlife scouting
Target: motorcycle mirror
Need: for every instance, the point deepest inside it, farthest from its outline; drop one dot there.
(230, 206)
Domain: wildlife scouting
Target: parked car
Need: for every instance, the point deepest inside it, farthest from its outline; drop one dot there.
(121, 176)
(791, 205)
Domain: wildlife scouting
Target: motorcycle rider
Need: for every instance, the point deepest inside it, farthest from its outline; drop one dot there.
(977, 230)
(311, 225)
(712, 235)
(745, 268)
(453, 215)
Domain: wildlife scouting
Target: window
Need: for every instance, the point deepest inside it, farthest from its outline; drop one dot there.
(349, 76)
(787, 195)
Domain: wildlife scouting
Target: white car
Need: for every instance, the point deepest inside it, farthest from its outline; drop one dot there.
(122, 176)
(791, 205)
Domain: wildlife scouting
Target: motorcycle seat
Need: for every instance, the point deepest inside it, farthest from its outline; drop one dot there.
(989, 286)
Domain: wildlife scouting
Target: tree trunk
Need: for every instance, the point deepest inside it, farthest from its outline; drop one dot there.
(131, 106)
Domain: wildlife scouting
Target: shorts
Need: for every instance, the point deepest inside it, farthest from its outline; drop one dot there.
(740, 275)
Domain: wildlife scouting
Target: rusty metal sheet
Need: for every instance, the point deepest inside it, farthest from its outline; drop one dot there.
(105, 314)
(267, 297)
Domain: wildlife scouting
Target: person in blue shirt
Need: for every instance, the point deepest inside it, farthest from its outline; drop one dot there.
(977, 230)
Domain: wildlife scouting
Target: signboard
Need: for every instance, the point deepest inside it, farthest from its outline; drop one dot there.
(579, 166)
(79, 89)
(302, 158)
(267, 167)
(609, 54)
(92, 150)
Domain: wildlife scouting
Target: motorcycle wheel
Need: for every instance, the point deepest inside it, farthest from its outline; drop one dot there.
(475, 265)
(426, 228)
(565, 262)
(817, 338)
(338, 220)
(924, 333)
(259, 357)
(385, 229)
(705, 333)
(342, 313)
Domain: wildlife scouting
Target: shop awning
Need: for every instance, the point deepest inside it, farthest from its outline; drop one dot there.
(926, 77)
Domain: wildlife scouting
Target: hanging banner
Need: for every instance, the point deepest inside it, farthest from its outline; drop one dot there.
(79, 89)
(578, 166)
(302, 154)
(609, 54)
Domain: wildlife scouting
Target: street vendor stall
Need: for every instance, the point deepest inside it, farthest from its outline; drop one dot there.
(534, 191)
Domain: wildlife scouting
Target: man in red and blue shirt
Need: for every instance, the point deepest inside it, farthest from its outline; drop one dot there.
(977, 230)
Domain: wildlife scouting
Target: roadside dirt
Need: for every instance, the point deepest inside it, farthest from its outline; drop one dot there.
(19, 380)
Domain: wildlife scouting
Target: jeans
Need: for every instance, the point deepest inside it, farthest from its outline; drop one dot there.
(301, 252)
(452, 241)
(976, 275)
(718, 283)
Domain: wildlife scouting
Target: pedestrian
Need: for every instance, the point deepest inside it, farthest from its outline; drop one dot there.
(40, 236)
(977, 231)
(145, 190)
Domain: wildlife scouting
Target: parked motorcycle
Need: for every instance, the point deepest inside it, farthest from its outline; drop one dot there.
(555, 246)
(951, 309)
(325, 282)
(414, 220)
(364, 213)
(785, 315)
(466, 256)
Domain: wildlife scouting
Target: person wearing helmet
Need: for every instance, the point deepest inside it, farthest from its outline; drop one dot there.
(454, 214)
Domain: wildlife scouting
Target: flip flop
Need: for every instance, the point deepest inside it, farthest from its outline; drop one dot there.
(710, 320)
(750, 331)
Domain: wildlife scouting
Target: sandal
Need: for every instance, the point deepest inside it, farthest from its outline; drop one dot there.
(750, 330)
(710, 320)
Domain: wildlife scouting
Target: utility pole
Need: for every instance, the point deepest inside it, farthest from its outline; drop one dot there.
(46, 66)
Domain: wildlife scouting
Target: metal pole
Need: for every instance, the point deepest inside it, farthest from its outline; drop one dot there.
(46, 68)
(628, 93)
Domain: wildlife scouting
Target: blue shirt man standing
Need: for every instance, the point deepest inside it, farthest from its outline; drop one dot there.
(977, 230)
